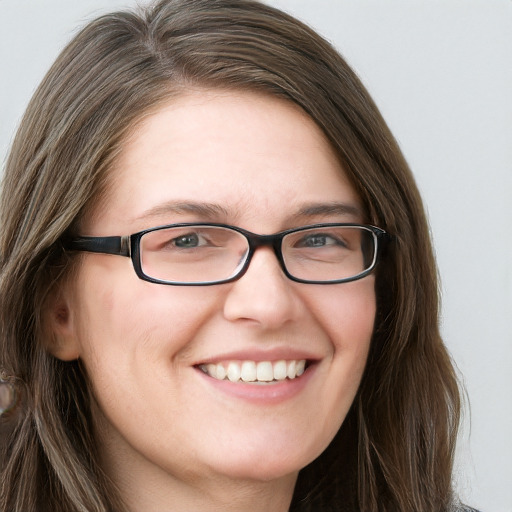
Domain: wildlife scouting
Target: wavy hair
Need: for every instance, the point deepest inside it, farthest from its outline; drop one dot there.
(394, 452)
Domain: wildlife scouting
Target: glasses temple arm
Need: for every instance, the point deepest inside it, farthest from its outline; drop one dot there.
(119, 245)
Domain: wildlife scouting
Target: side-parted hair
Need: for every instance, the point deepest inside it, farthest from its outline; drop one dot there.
(394, 452)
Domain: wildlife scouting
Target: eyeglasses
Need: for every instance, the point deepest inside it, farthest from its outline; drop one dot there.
(204, 254)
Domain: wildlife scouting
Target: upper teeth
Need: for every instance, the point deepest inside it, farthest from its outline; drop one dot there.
(252, 371)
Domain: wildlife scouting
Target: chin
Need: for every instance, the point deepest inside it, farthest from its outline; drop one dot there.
(264, 466)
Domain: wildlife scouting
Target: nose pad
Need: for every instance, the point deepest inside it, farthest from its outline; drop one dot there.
(263, 295)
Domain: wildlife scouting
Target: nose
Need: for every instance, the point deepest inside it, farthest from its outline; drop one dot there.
(263, 295)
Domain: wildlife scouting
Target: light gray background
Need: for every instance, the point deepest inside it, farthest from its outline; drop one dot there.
(441, 72)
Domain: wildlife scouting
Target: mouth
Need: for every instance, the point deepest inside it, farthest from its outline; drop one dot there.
(256, 372)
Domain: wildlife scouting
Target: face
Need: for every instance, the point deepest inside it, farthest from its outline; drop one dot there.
(261, 164)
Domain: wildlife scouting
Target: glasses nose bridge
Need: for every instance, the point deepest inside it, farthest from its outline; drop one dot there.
(256, 241)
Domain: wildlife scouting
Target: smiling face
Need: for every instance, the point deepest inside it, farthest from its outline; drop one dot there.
(156, 354)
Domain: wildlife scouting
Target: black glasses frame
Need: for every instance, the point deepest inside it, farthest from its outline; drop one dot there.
(129, 245)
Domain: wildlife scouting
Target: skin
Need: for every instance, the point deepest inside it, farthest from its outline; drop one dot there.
(170, 438)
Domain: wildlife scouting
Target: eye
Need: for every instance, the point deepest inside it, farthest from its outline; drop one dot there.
(189, 241)
(316, 240)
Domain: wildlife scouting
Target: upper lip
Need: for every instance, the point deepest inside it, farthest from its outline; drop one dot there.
(275, 354)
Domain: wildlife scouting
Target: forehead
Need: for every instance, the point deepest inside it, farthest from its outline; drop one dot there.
(252, 155)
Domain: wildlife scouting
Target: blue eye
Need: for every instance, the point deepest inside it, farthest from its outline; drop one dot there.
(319, 240)
(188, 241)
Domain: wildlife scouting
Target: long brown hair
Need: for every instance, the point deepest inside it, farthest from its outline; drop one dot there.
(394, 452)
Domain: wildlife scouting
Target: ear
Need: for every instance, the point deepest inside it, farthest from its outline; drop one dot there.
(62, 339)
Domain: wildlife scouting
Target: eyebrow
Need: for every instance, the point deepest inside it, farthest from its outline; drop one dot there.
(331, 208)
(208, 210)
(214, 210)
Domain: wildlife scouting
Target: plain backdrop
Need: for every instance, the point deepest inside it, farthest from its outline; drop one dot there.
(441, 73)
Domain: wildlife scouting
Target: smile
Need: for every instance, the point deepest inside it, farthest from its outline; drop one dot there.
(257, 372)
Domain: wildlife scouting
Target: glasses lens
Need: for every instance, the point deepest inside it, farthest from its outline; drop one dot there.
(329, 253)
(192, 254)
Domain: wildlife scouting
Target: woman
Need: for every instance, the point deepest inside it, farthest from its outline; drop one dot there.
(217, 286)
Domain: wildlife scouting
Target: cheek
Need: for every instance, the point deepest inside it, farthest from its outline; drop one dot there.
(347, 314)
(133, 337)
(351, 330)
(348, 318)
(123, 324)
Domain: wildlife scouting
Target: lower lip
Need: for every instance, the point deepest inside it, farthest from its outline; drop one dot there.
(261, 393)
